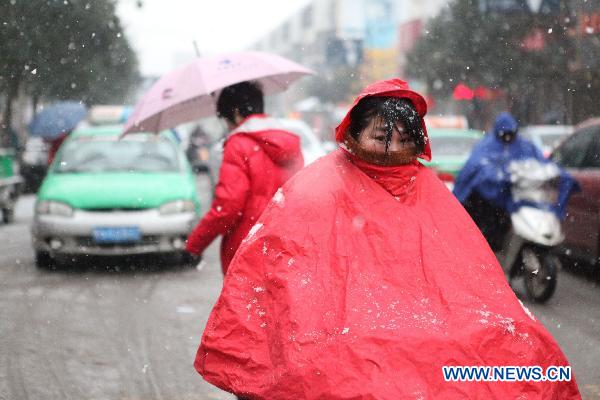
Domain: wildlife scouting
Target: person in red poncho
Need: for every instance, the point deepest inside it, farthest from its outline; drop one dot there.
(364, 277)
(259, 156)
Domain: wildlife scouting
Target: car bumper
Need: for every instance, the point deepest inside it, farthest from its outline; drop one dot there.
(74, 235)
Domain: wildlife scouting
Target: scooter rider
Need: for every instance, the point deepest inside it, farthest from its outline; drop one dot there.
(483, 185)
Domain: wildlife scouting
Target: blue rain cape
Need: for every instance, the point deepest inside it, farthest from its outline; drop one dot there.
(486, 170)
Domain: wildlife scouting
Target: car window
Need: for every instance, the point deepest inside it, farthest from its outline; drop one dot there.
(552, 139)
(573, 151)
(105, 155)
(453, 146)
(592, 159)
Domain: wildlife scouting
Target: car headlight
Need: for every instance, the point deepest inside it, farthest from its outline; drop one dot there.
(46, 207)
(177, 207)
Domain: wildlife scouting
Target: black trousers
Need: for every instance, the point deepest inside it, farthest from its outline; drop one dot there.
(493, 222)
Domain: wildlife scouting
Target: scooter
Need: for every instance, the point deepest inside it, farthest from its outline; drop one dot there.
(528, 248)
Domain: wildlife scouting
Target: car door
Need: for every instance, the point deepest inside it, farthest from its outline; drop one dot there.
(580, 155)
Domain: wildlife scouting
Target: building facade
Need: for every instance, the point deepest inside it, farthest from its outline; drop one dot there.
(372, 35)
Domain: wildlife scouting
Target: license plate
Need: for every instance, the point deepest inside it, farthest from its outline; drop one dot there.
(117, 234)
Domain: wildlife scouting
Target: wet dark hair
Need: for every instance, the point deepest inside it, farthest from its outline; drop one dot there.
(246, 97)
(391, 110)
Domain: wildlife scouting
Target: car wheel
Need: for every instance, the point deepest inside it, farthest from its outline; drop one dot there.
(8, 215)
(189, 260)
(44, 260)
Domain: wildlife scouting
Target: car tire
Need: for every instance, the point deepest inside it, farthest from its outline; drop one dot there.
(43, 260)
(8, 215)
(189, 260)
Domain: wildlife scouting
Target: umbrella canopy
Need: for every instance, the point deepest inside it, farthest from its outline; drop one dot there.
(56, 119)
(190, 92)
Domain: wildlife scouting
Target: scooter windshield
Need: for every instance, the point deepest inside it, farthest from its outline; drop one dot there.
(534, 181)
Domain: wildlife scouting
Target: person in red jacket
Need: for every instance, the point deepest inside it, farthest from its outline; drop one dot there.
(365, 279)
(259, 156)
(54, 145)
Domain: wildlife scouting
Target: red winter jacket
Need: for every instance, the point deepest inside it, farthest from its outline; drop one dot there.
(258, 158)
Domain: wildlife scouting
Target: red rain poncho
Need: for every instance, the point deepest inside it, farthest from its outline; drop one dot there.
(362, 282)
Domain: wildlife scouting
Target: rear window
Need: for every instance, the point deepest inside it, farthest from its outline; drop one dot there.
(111, 155)
(552, 140)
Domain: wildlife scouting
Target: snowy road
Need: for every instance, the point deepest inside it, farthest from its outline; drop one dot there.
(92, 334)
(88, 334)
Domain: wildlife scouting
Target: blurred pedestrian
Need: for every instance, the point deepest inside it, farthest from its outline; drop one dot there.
(483, 185)
(364, 277)
(198, 148)
(54, 144)
(258, 158)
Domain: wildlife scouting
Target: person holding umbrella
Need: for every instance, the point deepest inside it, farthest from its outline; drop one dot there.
(55, 122)
(259, 155)
(258, 158)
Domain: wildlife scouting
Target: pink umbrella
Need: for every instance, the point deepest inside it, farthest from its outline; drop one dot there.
(189, 92)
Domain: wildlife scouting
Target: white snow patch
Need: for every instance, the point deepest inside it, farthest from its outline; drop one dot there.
(305, 282)
(279, 198)
(263, 325)
(219, 208)
(509, 325)
(345, 331)
(259, 289)
(529, 314)
(291, 262)
(253, 231)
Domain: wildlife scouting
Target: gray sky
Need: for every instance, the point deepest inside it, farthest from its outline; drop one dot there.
(162, 31)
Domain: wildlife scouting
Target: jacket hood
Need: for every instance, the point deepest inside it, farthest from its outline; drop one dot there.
(279, 144)
(505, 122)
(389, 88)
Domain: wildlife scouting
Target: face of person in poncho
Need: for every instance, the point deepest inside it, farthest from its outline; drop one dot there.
(374, 138)
(386, 131)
